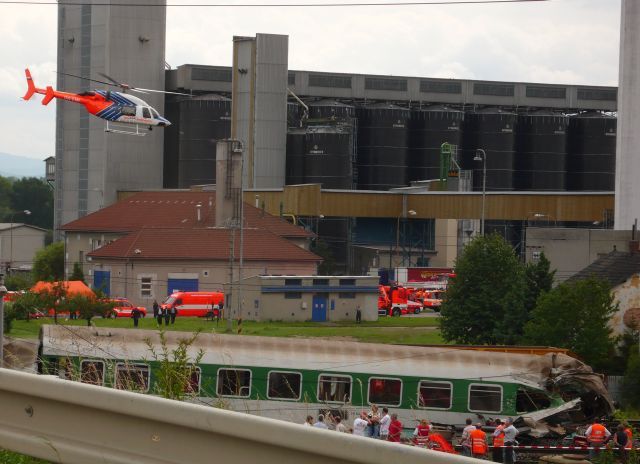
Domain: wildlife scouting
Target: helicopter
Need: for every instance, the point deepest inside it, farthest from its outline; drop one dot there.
(123, 112)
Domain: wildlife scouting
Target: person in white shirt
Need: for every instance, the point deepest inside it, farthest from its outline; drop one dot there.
(340, 427)
(360, 424)
(510, 433)
(466, 442)
(309, 421)
(320, 424)
(384, 424)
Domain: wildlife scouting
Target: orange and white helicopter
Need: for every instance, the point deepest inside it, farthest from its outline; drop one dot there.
(113, 107)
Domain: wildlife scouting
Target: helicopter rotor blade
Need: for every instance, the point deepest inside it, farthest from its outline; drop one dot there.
(134, 89)
(113, 81)
(87, 78)
(162, 91)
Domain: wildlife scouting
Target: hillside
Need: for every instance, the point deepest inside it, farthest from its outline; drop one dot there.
(20, 166)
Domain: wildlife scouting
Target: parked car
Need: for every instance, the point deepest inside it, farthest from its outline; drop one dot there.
(122, 307)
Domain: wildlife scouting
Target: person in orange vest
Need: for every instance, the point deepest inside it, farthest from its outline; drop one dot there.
(498, 441)
(479, 445)
(597, 434)
(629, 432)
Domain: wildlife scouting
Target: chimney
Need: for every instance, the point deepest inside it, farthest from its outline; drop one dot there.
(228, 183)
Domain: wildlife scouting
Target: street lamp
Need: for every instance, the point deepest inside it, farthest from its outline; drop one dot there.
(481, 155)
(28, 213)
(410, 213)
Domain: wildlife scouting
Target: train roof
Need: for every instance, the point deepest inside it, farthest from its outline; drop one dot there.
(314, 354)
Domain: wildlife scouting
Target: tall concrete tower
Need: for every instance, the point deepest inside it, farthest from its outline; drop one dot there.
(128, 44)
(259, 107)
(627, 204)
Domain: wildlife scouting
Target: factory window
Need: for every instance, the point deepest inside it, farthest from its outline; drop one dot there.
(320, 281)
(597, 94)
(234, 382)
(485, 398)
(334, 388)
(498, 90)
(284, 385)
(347, 295)
(132, 377)
(375, 83)
(440, 87)
(326, 80)
(146, 286)
(385, 391)
(291, 79)
(546, 92)
(205, 74)
(288, 282)
(436, 395)
(347, 281)
(92, 372)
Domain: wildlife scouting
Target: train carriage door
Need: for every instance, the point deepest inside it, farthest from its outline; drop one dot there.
(102, 281)
(319, 309)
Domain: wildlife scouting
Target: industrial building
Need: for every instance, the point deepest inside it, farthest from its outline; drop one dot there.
(343, 132)
(127, 43)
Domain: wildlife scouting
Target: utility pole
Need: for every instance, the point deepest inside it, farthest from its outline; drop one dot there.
(3, 292)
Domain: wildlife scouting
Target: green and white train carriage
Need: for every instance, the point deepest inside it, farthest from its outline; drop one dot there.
(290, 378)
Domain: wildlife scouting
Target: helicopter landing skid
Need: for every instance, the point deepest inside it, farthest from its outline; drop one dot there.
(125, 129)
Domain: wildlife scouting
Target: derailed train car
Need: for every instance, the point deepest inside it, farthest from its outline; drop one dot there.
(290, 378)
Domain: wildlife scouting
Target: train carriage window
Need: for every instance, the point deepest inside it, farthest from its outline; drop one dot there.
(334, 388)
(133, 377)
(435, 395)
(192, 386)
(146, 113)
(284, 385)
(385, 391)
(234, 382)
(92, 372)
(531, 400)
(128, 110)
(485, 398)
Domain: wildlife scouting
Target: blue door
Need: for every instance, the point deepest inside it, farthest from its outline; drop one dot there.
(102, 281)
(182, 285)
(319, 309)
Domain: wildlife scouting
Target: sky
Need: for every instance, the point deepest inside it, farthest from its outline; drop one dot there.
(557, 41)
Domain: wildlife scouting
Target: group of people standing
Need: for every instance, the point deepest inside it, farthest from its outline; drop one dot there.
(374, 423)
(475, 441)
(598, 436)
(166, 314)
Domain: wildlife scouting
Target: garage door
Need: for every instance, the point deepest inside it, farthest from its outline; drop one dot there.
(102, 281)
(182, 285)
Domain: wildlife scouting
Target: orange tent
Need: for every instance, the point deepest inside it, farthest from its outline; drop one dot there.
(73, 287)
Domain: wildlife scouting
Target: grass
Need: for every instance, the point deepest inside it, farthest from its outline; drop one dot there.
(419, 330)
(8, 457)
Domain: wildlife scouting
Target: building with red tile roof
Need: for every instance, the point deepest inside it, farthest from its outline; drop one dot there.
(151, 243)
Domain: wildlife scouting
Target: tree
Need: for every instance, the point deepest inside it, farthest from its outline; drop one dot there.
(575, 315)
(36, 196)
(631, 383)
(87, 307)
(77, 273)
(18, 281)
(484, 303)
(539, 278)
(48, 263)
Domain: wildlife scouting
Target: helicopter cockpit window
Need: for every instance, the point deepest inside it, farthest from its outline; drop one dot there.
(155, 114)
(129, 110)
(146, 113)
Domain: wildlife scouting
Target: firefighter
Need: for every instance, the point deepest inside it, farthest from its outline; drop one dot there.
(478, 440)
(597, 434)
(498, 441)
(629, 432)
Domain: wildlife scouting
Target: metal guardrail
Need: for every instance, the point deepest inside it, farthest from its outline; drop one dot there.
(70, 422)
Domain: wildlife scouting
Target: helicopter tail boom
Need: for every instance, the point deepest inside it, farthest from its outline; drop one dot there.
(48, 95)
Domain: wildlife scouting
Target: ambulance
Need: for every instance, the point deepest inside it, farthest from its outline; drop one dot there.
(196, 304)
